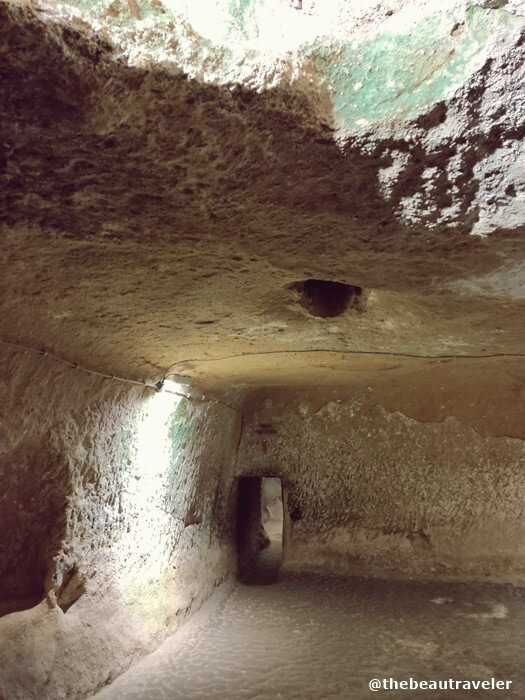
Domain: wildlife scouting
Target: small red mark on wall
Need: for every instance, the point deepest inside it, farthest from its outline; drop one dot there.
(264, 447)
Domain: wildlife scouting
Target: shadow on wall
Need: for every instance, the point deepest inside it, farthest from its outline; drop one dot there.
(251, 537)
(35, 485)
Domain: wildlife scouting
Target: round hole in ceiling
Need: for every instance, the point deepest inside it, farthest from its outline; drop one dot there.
(326, 299)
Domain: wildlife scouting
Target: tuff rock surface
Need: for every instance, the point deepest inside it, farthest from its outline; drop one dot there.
(168, 175)
(178, 189)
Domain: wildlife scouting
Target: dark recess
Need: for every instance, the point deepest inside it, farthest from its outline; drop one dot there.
(325, 298)
(251, 537)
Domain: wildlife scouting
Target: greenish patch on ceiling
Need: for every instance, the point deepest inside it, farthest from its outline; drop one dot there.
(398, 76)
(240, 9)
(123, 13)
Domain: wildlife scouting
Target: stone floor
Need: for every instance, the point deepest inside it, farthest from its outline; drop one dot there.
(320, 637)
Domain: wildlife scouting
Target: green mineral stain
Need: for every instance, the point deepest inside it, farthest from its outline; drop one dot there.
(399, 76)
(243, 16)
(178, 429)
(181, 411)
(118, 12)
(239, 9)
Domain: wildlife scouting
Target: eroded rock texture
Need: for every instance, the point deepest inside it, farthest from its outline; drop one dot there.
(290, 208)
(148, 213)
(112, 511)
(380, 480)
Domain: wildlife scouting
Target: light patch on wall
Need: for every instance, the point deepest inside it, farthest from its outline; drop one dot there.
(143, 554)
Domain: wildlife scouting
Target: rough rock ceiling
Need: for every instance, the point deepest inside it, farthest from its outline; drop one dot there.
(162, 190)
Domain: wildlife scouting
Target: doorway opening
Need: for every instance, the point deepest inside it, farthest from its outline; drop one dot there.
(259, 529)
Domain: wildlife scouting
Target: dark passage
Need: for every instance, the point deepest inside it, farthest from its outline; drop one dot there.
(259, 529)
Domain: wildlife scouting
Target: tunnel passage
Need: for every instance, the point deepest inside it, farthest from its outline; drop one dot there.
(259, 529)
(32, 521)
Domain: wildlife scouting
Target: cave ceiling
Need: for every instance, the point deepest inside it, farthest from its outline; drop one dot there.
(169, 178)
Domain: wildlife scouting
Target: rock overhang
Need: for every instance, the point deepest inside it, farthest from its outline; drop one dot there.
(185, 207)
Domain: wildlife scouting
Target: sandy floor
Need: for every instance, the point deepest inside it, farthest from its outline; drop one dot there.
(316, 637)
